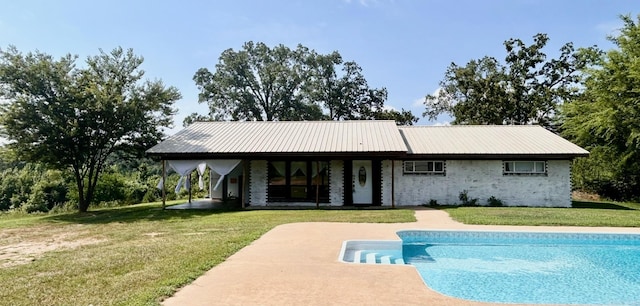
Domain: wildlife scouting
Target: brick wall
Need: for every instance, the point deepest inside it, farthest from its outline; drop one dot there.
(258, 183)
(336, 183)
(482, 179)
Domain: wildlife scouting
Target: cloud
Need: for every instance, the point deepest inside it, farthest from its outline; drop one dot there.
(443, 123)
(388, 107)
(418, 102)
(611, 27)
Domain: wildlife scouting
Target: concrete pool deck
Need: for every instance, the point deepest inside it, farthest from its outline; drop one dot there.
(297, 264)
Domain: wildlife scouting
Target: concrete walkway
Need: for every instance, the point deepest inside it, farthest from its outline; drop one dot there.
(297, 264)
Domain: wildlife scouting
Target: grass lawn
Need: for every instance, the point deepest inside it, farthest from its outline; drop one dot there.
(133, 255)
(140, 254)
(582, 214)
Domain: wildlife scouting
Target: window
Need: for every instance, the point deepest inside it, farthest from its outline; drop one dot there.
(297, 181)
(525, 167)
(424, 167)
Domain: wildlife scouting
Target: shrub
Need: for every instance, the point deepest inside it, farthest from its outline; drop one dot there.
(466, 201)
(433, 202)
(495, 202)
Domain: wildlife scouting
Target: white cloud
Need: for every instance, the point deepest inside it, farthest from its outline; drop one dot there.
(418, 102)
(442, 123)
(610, 28)
(388, 107)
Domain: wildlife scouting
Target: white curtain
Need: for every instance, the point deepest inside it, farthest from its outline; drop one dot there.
(183, 168)
(202, 167)
(222, 167)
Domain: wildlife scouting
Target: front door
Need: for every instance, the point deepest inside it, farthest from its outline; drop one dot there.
(362, 182)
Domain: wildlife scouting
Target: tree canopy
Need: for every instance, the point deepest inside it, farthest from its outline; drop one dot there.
(279, 83)
(606, 119)
(75, 118)
(526, 89)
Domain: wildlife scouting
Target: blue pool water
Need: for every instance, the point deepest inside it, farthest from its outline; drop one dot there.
(546, 268)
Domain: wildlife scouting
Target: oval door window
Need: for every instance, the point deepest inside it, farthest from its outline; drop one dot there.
(362, 176)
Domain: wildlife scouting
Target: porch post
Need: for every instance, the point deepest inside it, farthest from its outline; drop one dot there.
(393, 179)
(189, 178)
(244, 183)
(164, 182)
(317, 184)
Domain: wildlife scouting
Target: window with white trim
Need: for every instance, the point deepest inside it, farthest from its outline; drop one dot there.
(524, 167)
(424, 167)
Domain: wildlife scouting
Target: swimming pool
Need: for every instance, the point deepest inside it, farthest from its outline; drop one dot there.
(534, 268)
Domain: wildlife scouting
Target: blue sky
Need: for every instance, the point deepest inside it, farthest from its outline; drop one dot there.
(404, 46)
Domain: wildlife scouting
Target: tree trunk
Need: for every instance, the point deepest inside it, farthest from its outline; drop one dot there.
(83, 206)
(83, 203)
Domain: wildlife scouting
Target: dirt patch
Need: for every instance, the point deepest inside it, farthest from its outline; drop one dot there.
(584, 196)
(153, 234)
(22, 248)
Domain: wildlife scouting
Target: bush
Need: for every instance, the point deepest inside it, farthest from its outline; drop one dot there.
(134, 191)
(110, 187)
(466, 201)
(48, 192)
(495, 202)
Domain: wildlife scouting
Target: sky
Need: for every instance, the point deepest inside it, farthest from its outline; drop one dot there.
(403, 45)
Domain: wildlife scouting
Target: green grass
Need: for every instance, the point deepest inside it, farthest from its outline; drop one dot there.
(138, 254)
(582, 214)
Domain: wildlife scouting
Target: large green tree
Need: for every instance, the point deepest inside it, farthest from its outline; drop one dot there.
(258, 83)
(526, 89)
(606, 120)
(75, 118)
(279, 83)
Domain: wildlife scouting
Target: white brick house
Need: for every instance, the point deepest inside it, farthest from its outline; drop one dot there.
(340, 163)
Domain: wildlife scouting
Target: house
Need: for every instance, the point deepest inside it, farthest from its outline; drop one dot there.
(336, 163)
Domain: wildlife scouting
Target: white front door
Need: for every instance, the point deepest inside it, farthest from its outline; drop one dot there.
(362, 182)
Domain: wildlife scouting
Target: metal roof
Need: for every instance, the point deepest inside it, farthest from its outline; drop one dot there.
(487, 140)
(253, 137)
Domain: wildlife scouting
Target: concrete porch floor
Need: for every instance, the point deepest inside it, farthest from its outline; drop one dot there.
(198, 204)
(297, 264)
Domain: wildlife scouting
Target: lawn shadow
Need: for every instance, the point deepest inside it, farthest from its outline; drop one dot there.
(599, 205)
(134, 213)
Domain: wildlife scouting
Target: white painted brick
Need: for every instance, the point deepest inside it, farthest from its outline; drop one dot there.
(483, 179)
(386, 182)
(258, 183)
(336, 183)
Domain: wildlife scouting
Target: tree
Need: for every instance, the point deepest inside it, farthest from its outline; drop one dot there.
(262, 83)
(526, 89)
(606, 120)
(401, 117)
(75, 118)
(258, 83)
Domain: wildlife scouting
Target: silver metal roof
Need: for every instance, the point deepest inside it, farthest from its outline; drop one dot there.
(487, 140)
(284, 137)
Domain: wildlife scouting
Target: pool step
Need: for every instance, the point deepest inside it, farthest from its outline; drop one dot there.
(365, 257)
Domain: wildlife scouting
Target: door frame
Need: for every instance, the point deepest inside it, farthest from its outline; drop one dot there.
(376, 182)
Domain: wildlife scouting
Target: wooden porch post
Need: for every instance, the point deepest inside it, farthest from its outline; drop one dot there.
(393, 180)
(164, 182)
